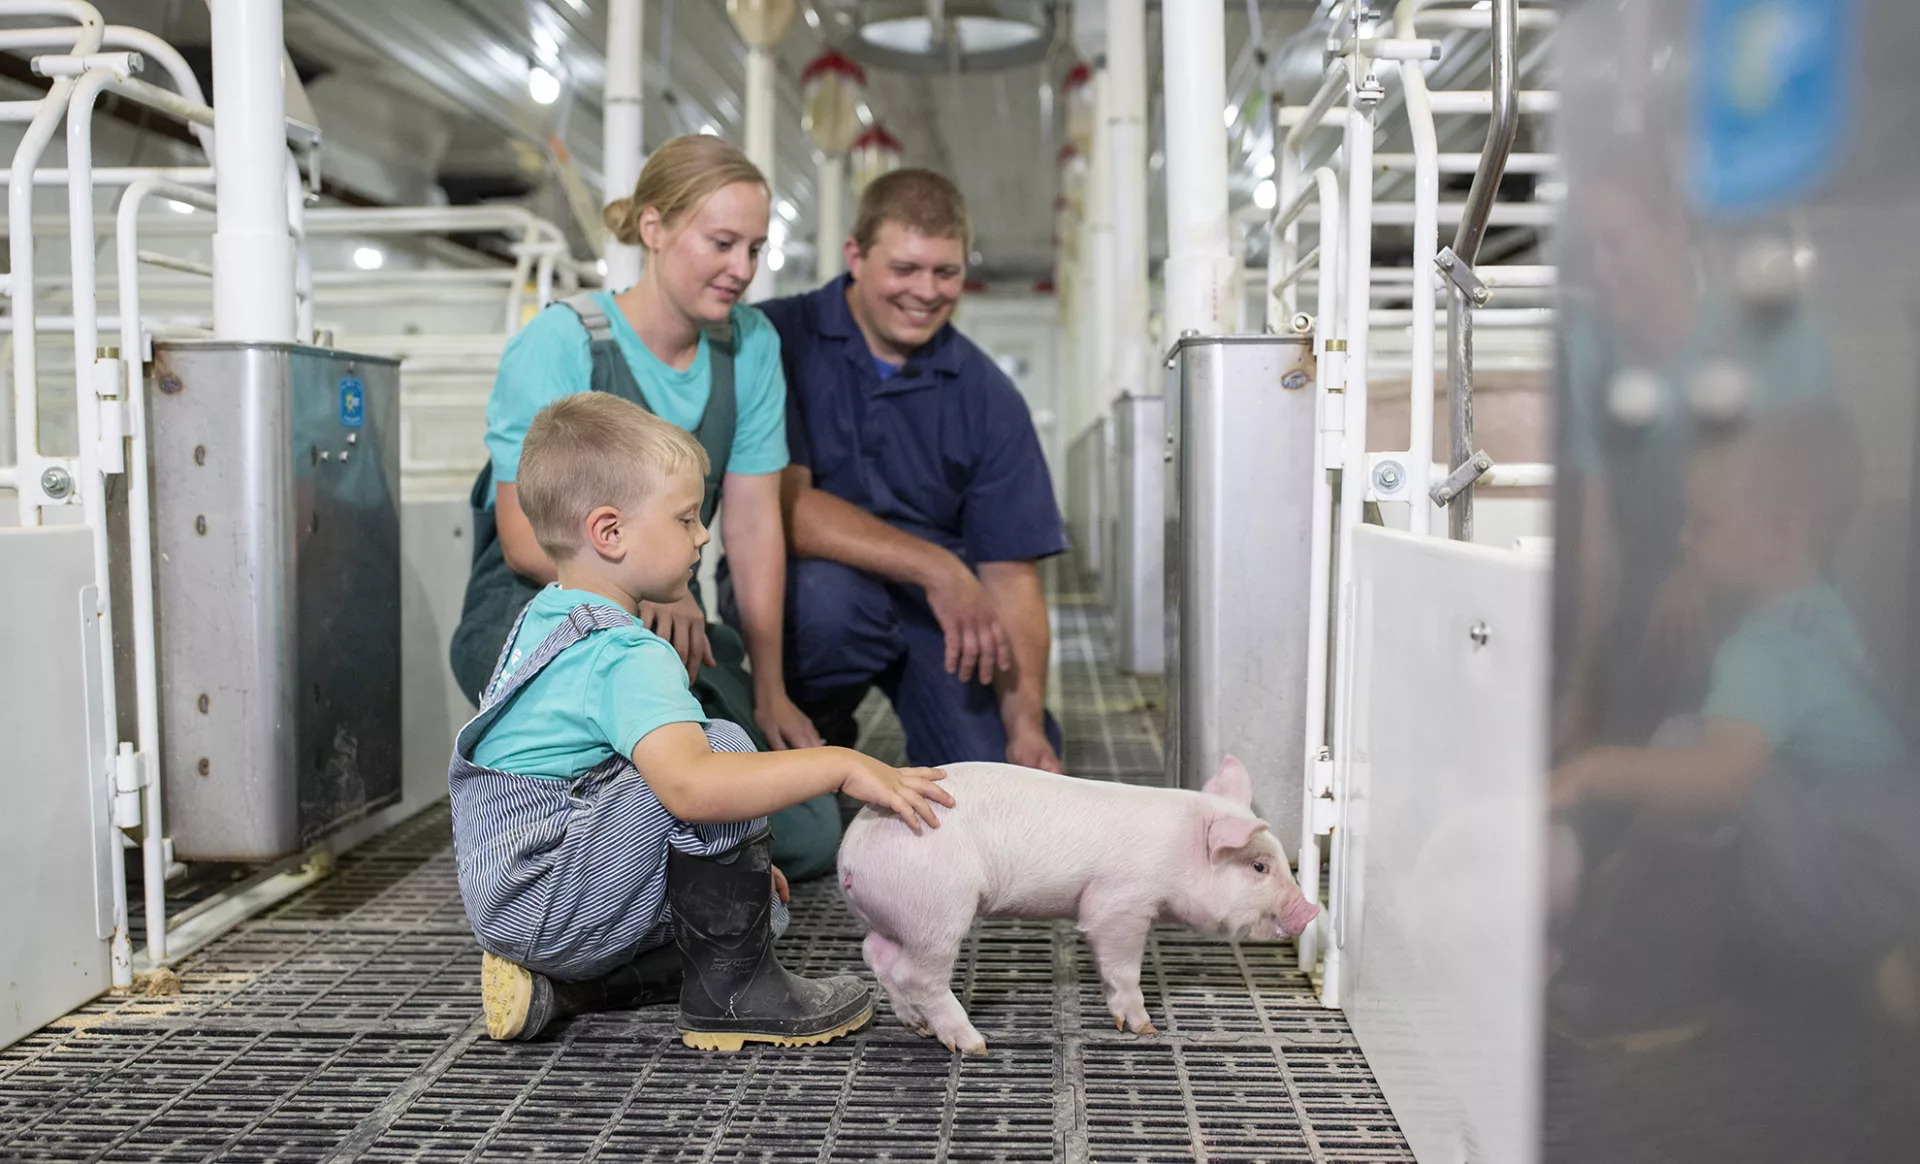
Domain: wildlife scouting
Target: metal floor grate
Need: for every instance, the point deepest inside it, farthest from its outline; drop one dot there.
(343, 1025)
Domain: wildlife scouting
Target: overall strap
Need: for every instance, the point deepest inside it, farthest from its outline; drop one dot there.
(612, 373)
(580, 622)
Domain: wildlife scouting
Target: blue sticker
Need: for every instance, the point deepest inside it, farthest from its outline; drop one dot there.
(353, 403)
(1773, 93)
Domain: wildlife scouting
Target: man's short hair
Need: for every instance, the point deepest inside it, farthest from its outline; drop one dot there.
(920, 200)
(593, 449)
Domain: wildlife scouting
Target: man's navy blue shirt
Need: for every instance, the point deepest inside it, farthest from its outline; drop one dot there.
(943, 449)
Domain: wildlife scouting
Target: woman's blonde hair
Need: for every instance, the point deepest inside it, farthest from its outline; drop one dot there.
(679, 176)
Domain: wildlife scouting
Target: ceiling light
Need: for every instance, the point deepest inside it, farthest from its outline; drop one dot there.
(1232, 113)
(709, 130)
(971, 36)
(775, 260)
(369, 258)
(787, 210)
(1264, 195)
(179, 207)
(543, 86)
(600, 265)
(1263, 166)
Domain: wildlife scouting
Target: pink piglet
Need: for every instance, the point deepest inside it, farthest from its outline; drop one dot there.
(1022, 843)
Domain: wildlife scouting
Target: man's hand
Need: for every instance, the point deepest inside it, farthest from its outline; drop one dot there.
(783, 723)
(1033, 751)
(780, 887)
(684, 625)
(977, 645)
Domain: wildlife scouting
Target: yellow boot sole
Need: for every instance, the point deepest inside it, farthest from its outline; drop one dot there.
(730, 1041)
(506, 991)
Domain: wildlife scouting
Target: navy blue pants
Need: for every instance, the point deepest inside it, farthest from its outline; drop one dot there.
(848, 631)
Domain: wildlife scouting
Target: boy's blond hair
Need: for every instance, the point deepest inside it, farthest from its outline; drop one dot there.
(593, 449)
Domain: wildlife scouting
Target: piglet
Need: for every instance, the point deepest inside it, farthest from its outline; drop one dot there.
(1021, 843)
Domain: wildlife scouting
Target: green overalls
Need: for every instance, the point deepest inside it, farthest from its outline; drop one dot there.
(806, 837)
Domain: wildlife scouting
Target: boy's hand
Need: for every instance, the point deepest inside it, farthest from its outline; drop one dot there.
(901, 791)
(684, 625)
(780, 887)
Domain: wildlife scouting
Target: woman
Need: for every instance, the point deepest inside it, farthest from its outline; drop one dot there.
(680, 344)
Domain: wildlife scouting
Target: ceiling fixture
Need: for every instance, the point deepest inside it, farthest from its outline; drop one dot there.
(776, 259)
(1264, 195)
(179, 207)
(542, 86)
(968, 36)
(369, 258)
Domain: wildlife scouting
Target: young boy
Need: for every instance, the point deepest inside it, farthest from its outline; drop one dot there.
(1794, 726)
(595, 820)
(1791, 685)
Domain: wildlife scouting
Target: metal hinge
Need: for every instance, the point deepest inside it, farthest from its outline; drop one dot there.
(131, 774)
(112, 424)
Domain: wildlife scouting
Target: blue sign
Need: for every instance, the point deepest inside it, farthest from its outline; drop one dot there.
(1773, 96)
(353, 403)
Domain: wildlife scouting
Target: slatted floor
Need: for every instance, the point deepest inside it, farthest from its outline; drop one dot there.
(343, 1025)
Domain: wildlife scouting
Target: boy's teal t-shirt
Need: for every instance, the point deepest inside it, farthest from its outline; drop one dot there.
(550, 358)
(1796, 669)
(597, 699)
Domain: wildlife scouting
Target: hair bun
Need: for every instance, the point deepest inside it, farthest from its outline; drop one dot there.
(623, 221)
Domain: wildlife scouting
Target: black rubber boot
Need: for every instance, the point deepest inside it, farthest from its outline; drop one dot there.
(733, 990)
(520, 1003)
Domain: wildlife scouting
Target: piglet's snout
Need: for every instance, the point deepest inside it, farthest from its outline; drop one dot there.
(1297, 915)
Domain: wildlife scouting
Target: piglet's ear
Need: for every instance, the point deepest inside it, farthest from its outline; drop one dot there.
(1232, 783)
(1227, 833)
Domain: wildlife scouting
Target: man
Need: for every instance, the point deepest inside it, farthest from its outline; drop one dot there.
(917, 500)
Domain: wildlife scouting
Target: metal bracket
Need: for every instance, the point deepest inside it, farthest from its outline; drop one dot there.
(1462, 276)
(1326, 814)
(1476, 467)
(130, 775)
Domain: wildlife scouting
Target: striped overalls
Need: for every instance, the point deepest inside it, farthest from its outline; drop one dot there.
(569, 878)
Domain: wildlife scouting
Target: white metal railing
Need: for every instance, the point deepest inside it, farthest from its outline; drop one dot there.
(108, 383)
(1336, 198)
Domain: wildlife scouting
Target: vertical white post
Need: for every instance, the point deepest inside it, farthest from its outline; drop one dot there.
(1126, 116)
(760, 108)
(1426, 243)
(622, 117)
(1199, 269)
(253, 260)
(1099, 365)
(830, 186)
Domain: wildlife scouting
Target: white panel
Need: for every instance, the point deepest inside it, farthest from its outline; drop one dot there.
(1444, 952)
(52, 958)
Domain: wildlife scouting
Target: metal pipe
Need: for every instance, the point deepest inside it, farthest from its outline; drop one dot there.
(1198, 269)
(760, 147)
(1501, 317)
(1311, 117)
(140, 548)
(29, 465)
(623, 115)
(120, 175)
(1426, 244)
(302, 258)
(1097, 364)
(124, 37)
(830, 193)
(1466, 246)
(253, 251)
(1502, 213)
(1353, 485)
(1126, 114)
(1482, 102)
(1469, 163)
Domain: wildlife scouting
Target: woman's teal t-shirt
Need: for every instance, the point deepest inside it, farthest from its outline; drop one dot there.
(550, 359)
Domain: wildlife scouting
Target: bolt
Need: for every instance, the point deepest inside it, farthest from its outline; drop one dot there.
(1303, 323)
(204, 703)
(199, 454)
(204, 767)
(200, 524)
(1387, 477)
(56, 483)
(170, 384)
(1446, 261)
(1481, 295)
(1479, 632)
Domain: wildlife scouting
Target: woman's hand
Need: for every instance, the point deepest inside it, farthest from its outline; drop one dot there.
(782, 722)
(684, 625)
